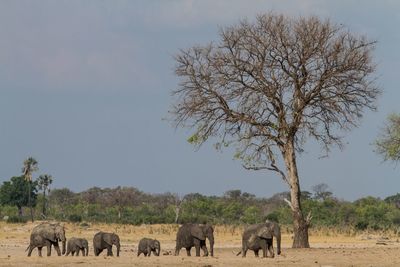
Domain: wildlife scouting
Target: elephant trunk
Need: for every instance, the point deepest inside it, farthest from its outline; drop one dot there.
(118, 248)
(211, 239)
(87, 250)
(63, 246)
(278, 243)
(157, 251)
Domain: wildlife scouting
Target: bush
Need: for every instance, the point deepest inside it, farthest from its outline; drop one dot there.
(17, 219)
(84, 225)
(361, 225)
(273, 216)
(75, 218)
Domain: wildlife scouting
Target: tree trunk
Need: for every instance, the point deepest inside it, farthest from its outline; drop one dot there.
(44, 203)
(177, 210)
(20, 211)
(300, 224)
(29, 198)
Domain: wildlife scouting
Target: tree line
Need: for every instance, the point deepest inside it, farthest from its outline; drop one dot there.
(129, 205)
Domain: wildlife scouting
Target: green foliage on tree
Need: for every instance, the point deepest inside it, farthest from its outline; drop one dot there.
(234, 207)
(388, 142)
(17, 192)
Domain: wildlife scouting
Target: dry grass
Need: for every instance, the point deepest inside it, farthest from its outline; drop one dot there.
(330, 247)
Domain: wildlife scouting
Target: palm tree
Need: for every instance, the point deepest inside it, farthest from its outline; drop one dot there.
(44, 182)
(30, 166)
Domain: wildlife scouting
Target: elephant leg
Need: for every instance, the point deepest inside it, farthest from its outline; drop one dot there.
(149, 251)
(244, 251)
(109, 251)
(264, 247)
(197, 247)
(204, 248)
(48, 249)
(197, 250)
(57, 248)
(40, 251)
(256, 253)
(177, 249)
(271, 250)
(77, 251)
(30, 250)
(188, 251)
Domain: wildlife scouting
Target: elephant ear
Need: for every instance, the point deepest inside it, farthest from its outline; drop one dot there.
(197, 232)
(49, 234)
(108, 238)
(264, 232)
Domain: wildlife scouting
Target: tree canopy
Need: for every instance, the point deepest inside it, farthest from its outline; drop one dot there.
(17, 192)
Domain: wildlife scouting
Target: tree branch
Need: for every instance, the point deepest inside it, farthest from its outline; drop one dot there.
(289, 203)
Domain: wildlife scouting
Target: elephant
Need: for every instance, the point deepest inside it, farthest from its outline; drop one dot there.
(260, 236)
(103, 240)
(194, 235)
(47, 234)
(75, 245)
(147, 245)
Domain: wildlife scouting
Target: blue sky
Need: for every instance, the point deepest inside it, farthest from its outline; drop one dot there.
(85, 85)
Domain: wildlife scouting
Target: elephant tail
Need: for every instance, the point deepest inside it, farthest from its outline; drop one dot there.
(240, 252)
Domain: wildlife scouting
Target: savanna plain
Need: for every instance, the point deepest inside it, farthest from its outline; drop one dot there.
(329, 248)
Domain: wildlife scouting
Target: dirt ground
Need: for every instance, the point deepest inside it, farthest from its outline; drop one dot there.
(327, 249)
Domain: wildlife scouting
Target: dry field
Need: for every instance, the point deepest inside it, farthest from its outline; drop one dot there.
(328, 249)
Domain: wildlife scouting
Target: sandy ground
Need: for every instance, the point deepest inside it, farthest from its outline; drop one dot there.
(327, 250)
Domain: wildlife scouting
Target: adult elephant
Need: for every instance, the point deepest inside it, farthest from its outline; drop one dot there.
(194, 235)
(103, 240)
(75, 245)
(260, 236)
(47, 234)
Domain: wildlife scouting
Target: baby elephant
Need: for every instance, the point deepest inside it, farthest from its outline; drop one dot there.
(147, 245)
(76, 244)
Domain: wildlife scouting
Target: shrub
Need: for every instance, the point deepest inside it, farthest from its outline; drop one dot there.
(17, 219)
(84, 225)
(361, 225)
(75, 218)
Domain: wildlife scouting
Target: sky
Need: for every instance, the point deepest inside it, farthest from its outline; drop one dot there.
(85, 89)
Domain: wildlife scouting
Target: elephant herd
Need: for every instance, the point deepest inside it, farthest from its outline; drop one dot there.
(255, 237)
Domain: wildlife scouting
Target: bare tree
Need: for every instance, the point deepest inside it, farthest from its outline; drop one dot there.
(178, 202)
(321, 191)
(267, 86)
